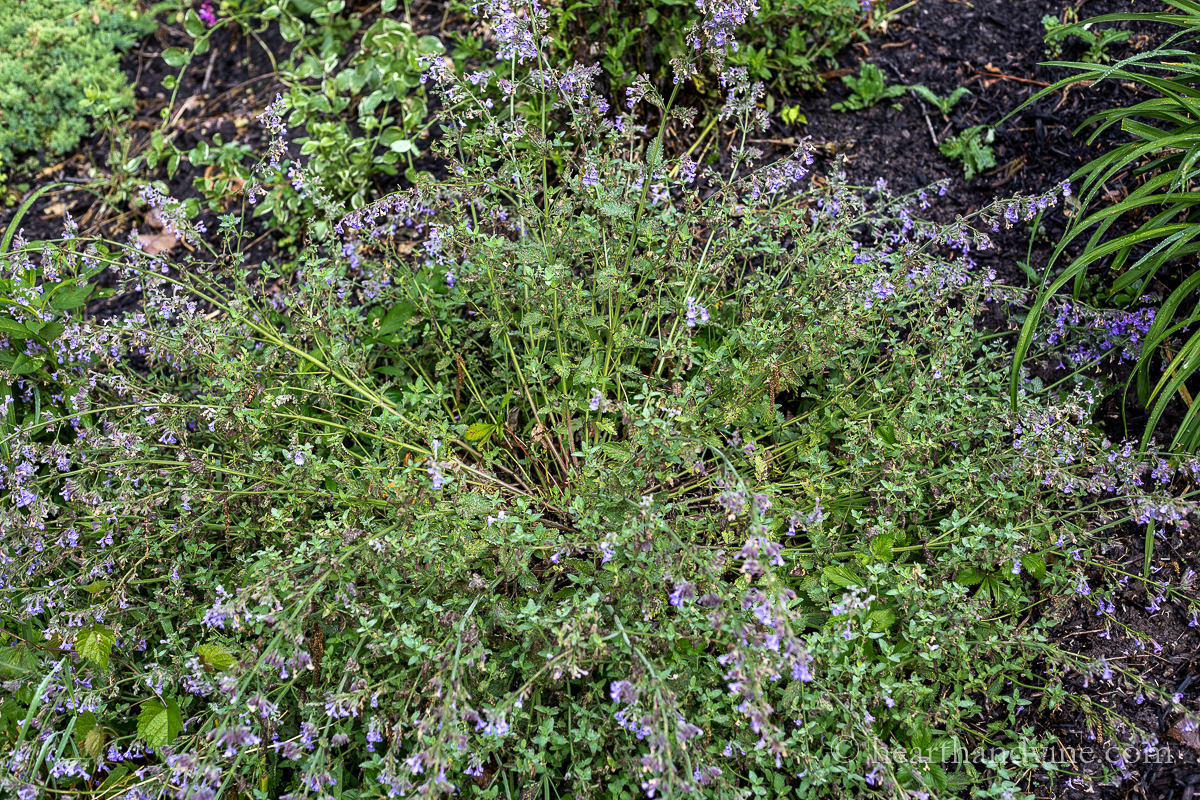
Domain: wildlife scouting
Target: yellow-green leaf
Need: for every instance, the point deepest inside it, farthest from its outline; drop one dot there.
(95, 643)
(216, 656)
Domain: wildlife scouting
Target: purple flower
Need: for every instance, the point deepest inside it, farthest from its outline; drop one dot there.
(206, 14)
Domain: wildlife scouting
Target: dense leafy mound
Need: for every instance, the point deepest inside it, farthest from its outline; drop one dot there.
(599, 486)
(51, 53)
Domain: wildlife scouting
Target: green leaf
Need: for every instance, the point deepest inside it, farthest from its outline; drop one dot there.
(842, 576)
(969, 576)
(50, 331)
(25, 365)
(96, 586)
(479, 430)
(1034, 565)
(93, 743)
(158, 725)
(175, 57)
(216, 656)
(70, 296)
(395, 318)
(83, 725)
(17, 662)
(193, 25)
(13, 329)
(883, 618)
(114, 778)
(95, 644)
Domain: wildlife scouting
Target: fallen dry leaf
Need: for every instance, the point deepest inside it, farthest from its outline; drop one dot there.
(154, 220)
(155, 243)
(1190, 738)
(55, 209)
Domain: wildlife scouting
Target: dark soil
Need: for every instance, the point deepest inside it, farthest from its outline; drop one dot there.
(993, 47)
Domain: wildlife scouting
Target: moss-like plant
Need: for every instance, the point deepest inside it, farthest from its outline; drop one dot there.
(51, 52)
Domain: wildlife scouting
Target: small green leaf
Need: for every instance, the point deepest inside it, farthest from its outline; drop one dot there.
(1034, 565)
(158, 725)
(93, 743)
(192, 24)
(883, 618)
(842, 576)
(968, 576)
(96, 586)
(175, 57)
(216, 656)
(95, 644)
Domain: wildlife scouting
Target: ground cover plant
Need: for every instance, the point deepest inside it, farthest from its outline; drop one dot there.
(791, 44)
(58, 66)
(560, 475)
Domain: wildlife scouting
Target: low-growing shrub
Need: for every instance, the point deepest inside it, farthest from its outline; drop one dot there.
(51, 54)
(556, 476)
(789, 45)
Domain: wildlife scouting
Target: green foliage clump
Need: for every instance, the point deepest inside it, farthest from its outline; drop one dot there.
(867, 88)
(51, 53)
(973, 148)
(559, 476)
(787, 44)
(944, 105)
(1097, 40)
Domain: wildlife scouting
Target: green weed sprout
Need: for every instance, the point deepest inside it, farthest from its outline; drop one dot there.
(867, 89)
(944, 105)
(973, 148)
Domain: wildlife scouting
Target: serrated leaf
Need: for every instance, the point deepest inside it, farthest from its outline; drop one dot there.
(842, 576)
(96, 586)
(615, 451)
(883, 618)
(93, 743)
(881, 546)
(68, 297)
(158, 725)
(216, 656)
(17, 662)
(479, 430)
(969, 576)
(95, 644)
(1034, 565)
